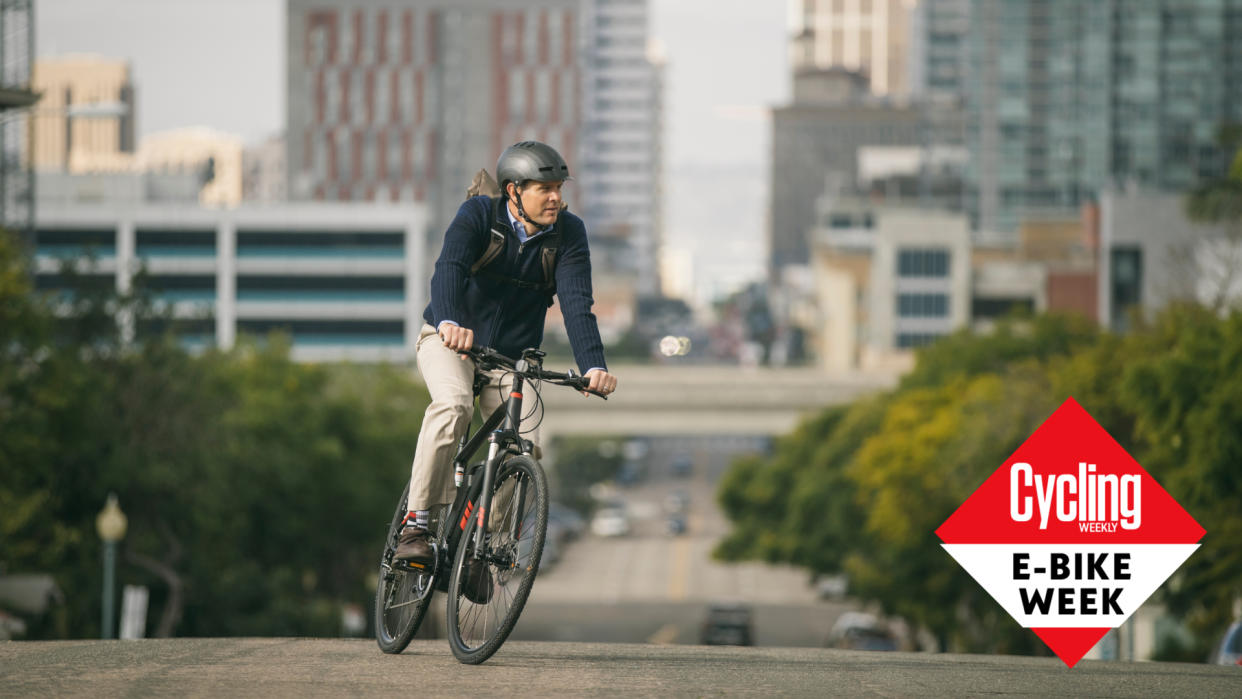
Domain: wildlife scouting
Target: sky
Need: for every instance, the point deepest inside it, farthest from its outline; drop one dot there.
(220, 64)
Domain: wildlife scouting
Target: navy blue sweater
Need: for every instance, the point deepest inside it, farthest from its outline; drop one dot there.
(504, 316)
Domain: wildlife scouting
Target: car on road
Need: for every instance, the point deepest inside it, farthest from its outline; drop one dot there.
(677, 501)
(1229, 650)
(681, 466)
(860, 631)
(675, 524)
(610, 521)
(568, 518)
(727, 624)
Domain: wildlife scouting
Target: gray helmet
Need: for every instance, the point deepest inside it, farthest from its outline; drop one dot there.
(530, 160)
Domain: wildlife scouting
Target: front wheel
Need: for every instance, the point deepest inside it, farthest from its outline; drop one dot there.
(487, 592)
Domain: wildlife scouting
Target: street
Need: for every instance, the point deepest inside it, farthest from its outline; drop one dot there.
(650, 586)
(277, 667)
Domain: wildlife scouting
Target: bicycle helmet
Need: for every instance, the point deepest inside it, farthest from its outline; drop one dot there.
(530, 160)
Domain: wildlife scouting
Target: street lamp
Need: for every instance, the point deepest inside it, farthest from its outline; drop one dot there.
(110, 524)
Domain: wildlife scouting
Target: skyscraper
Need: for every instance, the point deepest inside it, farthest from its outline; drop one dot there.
(867, 36)
(1064, 98)
(402, 100)
(405, 99)
(620, 170)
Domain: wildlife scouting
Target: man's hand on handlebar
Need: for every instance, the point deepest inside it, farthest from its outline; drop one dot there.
(601, 382)
(456, 338)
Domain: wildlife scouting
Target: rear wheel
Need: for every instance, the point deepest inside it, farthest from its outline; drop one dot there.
(401, 596)
(487, 592)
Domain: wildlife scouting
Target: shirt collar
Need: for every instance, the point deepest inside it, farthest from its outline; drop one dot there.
(519, 228)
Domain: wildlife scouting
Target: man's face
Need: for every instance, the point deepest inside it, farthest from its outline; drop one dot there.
(541, 200)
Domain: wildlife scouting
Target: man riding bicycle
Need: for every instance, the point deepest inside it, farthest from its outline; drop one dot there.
(503, 303)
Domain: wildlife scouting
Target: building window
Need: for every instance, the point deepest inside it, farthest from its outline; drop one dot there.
(912, 340)
(983, 308)
(1126, 284)
(923, 305)
(923, 263)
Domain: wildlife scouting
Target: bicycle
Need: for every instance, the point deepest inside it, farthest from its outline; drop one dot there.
(481, 556)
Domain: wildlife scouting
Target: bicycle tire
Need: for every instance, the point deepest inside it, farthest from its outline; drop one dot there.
(393, 631)
(512, 572)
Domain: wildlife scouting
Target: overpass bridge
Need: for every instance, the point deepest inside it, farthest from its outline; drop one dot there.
(704, 400)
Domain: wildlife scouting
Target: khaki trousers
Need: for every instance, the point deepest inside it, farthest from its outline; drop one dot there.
(450, 381)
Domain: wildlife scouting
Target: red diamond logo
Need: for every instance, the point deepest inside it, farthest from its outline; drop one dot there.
(1070, 535)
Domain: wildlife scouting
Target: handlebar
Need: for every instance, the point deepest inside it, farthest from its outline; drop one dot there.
(488, 358)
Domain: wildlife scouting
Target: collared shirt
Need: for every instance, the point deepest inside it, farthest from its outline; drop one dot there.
(520, 228)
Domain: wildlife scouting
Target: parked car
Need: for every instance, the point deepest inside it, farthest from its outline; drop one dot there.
(860, 631)
(727, 624)
(610, 521)
(1229, 650)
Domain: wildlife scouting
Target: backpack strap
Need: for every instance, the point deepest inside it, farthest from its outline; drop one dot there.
(495, 243)
(550, 246)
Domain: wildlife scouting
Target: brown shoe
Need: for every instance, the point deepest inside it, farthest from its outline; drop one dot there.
(476, 582)
(414, 546)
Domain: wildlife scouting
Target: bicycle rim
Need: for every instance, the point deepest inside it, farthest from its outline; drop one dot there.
(478, 627)
(401, 597)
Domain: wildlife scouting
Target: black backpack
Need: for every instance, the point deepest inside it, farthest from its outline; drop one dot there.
(484, 184)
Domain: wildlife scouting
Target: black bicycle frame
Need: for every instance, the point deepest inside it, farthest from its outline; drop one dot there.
(500, 438)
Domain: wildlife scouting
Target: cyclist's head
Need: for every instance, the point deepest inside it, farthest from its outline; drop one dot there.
(532, 162)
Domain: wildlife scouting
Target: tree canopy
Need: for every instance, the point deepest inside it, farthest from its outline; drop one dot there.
(257, 488)
(860, 489)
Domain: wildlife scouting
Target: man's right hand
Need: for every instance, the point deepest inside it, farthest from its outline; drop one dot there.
(456, 338)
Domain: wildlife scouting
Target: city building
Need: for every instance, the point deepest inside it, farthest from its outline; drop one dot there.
(264, 177)
(890, 276)
(216, 156)
(17, 94)
(86, 113)
(816, 142)
(620, 167)
(871, 37)
(938, 30)
(1151, 255)
(404, 100)
(888, 279)
(1064, 99)
(345, 281)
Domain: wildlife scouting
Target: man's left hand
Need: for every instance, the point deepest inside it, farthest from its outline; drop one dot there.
(601, 381)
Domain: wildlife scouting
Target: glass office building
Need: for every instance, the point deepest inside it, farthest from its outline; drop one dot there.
(1067, 96)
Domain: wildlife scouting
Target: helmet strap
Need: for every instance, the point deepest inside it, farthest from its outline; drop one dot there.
(517, 191)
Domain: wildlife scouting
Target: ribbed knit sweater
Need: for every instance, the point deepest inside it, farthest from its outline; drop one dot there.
(505, 316)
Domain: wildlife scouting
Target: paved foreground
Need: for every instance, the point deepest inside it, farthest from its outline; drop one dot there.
(313, 667)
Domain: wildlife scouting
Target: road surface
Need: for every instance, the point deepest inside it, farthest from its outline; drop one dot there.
(354, 668)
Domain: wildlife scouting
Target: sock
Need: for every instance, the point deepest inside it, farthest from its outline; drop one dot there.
(417, 518)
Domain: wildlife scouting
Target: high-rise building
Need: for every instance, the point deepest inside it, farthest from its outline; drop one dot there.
(937, 61)
(1065, 98)
(86, 114)
(620, 160)
(403, 100)
(16, 96)
(867, 36)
